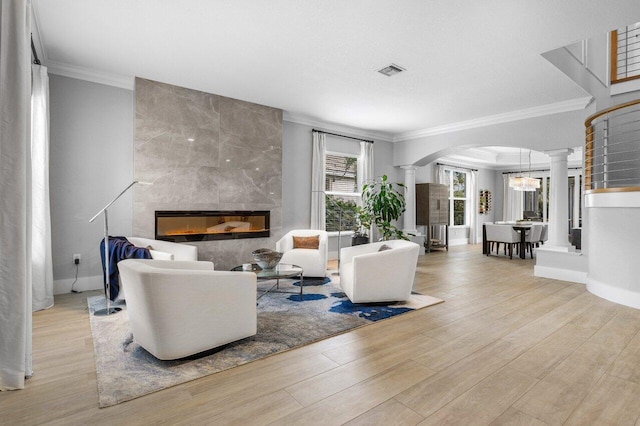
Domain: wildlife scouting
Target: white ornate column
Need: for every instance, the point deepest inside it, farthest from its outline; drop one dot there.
(410, 199)
(559, 207)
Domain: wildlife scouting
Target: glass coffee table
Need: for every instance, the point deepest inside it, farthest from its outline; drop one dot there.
(282, 270)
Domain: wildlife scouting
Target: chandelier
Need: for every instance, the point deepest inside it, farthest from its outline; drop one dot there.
(524, 183)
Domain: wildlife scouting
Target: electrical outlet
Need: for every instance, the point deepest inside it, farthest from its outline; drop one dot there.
(76, 258)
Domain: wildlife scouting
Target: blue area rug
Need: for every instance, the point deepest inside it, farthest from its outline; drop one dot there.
(286, 320)
(371, 313)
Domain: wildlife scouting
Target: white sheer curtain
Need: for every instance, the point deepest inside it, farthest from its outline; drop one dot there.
(365, 165)
(473, 205)
(365, 169)
(41, 217)
(318, 214)
(441, 176)
(512, 203)
(15, 194)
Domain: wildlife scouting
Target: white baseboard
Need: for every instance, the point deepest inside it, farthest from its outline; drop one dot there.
(458, 242)
(560, 274)
(614, 294)
(83, 284)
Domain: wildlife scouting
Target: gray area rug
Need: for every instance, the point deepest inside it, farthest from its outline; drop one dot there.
(126, 371)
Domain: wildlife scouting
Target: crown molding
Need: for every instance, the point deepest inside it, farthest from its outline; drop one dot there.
(88, 74)
(351, 131)
(538, 111)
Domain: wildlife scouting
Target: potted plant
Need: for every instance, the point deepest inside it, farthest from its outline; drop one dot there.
(385, 204)
(361, 227)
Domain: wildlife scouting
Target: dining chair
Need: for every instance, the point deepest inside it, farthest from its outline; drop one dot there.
(532, 239)
(502, 234)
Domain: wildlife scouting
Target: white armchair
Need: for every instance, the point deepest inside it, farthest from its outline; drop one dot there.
(313, 262)
(180, 308)
(165, 250)
(369, 275)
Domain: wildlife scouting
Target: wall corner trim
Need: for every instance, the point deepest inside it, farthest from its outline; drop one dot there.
(88, 74)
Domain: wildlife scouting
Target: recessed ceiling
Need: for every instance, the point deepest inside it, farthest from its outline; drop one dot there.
(465, 59)
(507, 158)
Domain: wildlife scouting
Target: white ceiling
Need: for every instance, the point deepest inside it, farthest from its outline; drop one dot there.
(465, 59)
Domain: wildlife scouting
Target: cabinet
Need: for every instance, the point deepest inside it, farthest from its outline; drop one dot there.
(432, 211)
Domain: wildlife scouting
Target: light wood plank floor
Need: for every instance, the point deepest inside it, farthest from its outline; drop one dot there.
(505, 348)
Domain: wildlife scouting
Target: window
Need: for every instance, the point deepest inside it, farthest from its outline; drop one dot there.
(625, 53)
(458, 197)
(538, 201)
(342, 191)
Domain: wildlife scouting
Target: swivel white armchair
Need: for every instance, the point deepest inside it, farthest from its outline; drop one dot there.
(312, 261)
(369, 275)
(166, 250)
(180, 308)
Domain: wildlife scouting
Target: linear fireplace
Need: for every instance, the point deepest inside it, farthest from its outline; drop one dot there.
(182, 226)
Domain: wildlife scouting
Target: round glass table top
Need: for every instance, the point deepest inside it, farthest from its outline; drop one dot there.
(282, 270)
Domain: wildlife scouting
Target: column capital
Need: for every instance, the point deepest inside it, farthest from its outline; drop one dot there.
(409, 167)
(559, 152)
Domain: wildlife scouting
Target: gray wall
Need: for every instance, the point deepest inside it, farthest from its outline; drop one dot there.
(296, 176)
(206, 152)
(487, 181)
(92, 128)
(91, 162)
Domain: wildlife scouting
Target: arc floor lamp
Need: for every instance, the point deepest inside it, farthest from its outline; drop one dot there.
(107, 293)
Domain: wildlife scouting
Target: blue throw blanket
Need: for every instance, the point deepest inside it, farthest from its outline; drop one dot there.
(119, 249)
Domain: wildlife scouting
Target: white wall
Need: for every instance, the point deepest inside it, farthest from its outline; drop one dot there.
(91, 162)
(563, 130)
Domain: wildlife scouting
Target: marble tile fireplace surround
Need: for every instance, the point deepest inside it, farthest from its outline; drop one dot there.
(203, 153)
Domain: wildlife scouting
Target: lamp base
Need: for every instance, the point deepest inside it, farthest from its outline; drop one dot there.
(104, 311)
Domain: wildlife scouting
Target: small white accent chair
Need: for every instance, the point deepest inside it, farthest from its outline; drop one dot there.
(180, 308)
(166, 250)
(368, 275)
(313, 262)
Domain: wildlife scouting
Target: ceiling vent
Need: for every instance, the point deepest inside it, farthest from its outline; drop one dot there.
(391, 70)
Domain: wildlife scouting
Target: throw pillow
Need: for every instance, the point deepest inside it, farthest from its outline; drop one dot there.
(384, 247)
(312, 242)
(161, 255)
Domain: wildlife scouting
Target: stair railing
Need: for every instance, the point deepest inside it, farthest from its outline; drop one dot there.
(612, 149)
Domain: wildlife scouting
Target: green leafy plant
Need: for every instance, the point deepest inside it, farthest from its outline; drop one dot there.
(362, 222)
(384, 204)
(339, 210)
